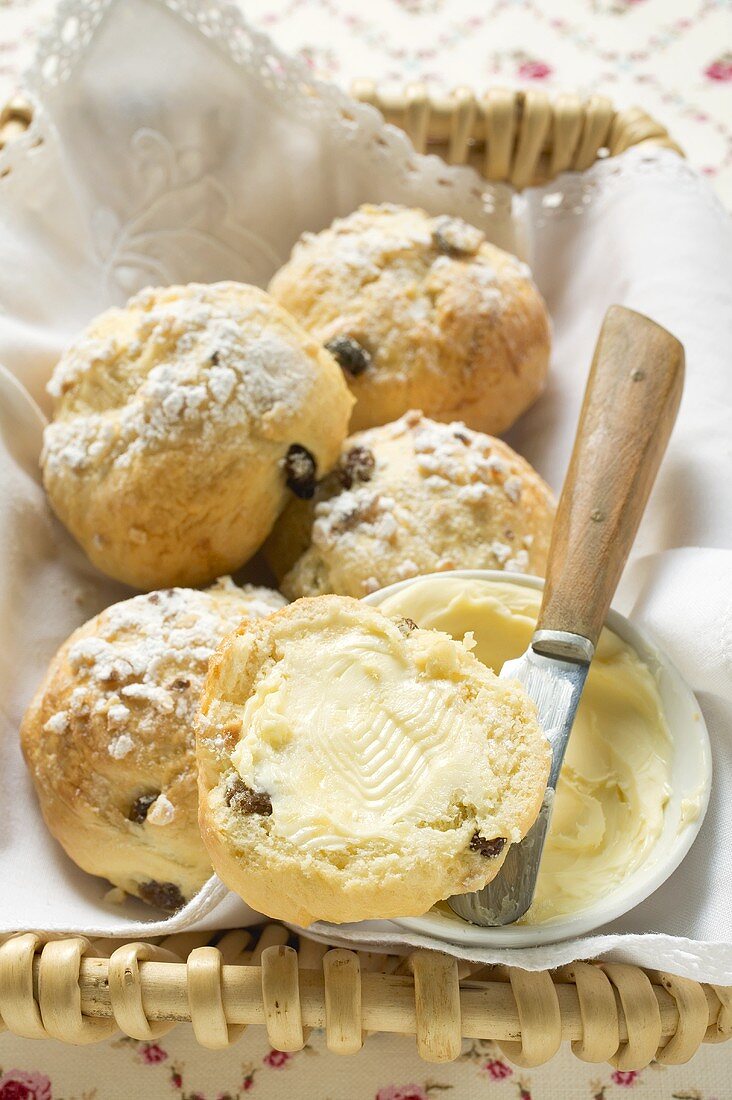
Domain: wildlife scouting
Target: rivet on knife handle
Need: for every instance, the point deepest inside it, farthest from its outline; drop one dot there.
(630, 405)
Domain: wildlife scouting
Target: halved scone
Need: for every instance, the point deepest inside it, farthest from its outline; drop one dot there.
(353, 766)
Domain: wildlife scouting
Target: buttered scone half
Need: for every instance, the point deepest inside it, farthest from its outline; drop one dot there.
(409, 498)
(182, 424)
(421, 312)
(353, 766)
(109, 737)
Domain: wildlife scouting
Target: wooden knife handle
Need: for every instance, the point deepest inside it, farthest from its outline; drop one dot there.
(629, 409)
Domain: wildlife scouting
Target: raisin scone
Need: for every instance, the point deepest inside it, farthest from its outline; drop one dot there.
(182, 423)
(353, 766)
(413, 497)
(109, 737)
(421, 312)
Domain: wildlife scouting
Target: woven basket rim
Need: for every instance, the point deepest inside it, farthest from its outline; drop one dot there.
(521, 136)
(80, 991)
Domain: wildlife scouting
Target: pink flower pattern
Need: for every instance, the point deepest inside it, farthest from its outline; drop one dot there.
(721, 69)
(22, 1084)
(625, 1076)
(534, 70)
(497, 1070)
(276, 1059)
(402, 1092)
(152, 1054)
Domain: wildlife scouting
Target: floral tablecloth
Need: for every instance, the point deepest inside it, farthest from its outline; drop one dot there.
(671, 56)
(388, 1068)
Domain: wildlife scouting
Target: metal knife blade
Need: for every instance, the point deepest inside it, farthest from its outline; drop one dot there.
(555, 685)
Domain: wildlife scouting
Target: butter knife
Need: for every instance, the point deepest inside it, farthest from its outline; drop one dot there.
(630, 405)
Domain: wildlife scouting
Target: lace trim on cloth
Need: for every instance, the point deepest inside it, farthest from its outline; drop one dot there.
(573, 192)
(284, 80)
(128, 248)
(290, 83)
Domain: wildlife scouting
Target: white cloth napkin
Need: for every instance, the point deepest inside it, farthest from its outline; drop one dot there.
(171, 144)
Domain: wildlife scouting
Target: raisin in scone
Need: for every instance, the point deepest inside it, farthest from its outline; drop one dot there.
(109, 737)
(352, 766)
(413, 497)
(182, 424)
(421, 312)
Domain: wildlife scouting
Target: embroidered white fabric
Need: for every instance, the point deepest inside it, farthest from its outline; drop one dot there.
(172, 143)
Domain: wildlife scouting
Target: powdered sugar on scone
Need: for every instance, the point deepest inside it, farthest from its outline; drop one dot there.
(420, 311)
(109, 736)
(148, 655)
(173, 419)
(214, 374)
(411, 497)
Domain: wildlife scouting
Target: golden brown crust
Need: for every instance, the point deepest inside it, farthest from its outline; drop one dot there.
(173, 420)
(409, 498)
(108, 737)
(448, 322)
(407, 867)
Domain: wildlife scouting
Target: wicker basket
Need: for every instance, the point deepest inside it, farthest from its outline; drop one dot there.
(82, 991)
